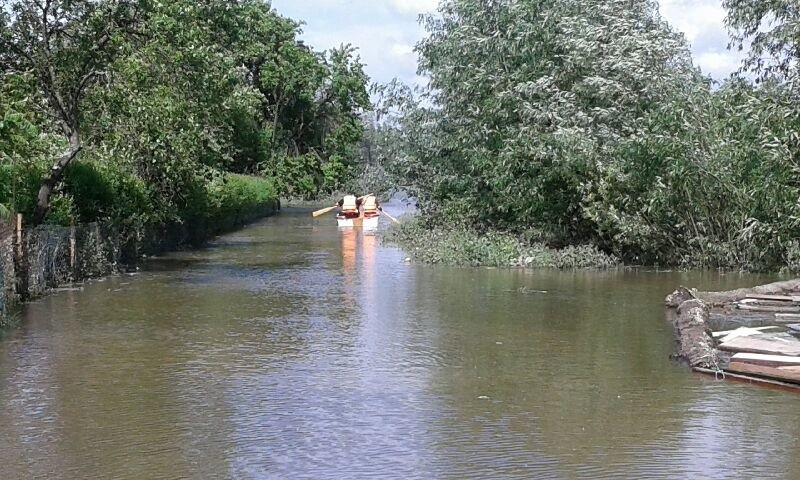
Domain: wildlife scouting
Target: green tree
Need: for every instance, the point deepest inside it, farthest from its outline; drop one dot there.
(66, 47)
(531, 101)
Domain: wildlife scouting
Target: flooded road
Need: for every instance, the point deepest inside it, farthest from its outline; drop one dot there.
(292, 350)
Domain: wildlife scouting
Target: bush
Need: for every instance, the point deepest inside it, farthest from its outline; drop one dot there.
(461, 246)
(103, 191)
(228, 200)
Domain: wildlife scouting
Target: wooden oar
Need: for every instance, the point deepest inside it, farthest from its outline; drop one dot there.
(390, 217)
(323, 211)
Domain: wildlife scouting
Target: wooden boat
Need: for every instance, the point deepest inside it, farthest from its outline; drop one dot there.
(367, 217)
(361, 221)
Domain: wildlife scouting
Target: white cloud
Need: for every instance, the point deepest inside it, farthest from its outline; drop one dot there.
(694, 17)
(415, 6)
(718, 64)
(703, 23)
(386, 30)
(402, 50)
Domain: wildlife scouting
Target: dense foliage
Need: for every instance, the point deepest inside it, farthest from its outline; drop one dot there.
(566, 123)
(132, 110)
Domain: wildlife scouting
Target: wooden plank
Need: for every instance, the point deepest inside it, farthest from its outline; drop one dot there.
(787, 317)
(794, 326)
(766, 360)
(768, 308)
(737, 377)
(728, 332)
(773, 298)
(762, 344)
(788, 374)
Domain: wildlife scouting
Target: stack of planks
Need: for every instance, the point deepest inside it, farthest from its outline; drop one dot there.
(760, 354)
(788, 305)
(779, 367)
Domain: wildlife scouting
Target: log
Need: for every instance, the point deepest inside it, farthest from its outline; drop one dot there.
(695, 344)
(676, 298)
(763, 344)
(766, 360)
(789, 374)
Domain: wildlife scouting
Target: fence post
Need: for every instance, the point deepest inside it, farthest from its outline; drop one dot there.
(72, 252)
(20, 270)
(19, 236)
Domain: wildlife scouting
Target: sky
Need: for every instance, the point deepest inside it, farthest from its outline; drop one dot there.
(387, 30)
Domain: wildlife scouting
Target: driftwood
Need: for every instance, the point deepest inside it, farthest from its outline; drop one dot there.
(682, 294)
(690, 309)
(696, 346)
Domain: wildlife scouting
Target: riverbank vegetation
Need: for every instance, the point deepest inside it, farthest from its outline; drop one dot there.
(566, 123)
(142, 112)
(469, 248)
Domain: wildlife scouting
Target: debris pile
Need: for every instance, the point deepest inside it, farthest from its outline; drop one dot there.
(747, 334)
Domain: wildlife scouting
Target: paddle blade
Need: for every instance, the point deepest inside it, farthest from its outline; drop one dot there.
(391, 217)
(322, 211)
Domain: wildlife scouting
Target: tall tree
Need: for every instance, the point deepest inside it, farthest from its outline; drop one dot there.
(533, 98)
(66, 45)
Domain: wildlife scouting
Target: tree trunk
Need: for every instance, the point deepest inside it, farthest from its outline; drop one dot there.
(54, 176)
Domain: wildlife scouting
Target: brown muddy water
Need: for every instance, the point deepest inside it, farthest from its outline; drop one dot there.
(292, 350)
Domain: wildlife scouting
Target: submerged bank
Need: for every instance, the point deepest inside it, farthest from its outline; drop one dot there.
(464, 247)
(37, 260)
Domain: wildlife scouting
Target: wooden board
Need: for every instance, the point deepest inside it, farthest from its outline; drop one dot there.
(787, 317)
(794, 326)
(738, 377)
(789, 374)
(728, 332)
(741, 332)
(768, 308)
(762, 344)
(766, 360)
(773, 298)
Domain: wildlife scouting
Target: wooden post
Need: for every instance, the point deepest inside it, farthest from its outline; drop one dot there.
(72, 253)
(20, 265)
(19, 236)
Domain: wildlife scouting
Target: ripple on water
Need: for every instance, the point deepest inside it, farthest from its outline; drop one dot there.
(283, 352)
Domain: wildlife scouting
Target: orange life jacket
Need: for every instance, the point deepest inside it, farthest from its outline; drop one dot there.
(370, 206)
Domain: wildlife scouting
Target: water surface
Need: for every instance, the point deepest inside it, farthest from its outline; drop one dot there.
(290, 349)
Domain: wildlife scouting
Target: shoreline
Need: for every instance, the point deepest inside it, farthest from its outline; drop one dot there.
(56, 257)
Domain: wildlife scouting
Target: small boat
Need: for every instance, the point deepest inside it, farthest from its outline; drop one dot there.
(352, 216)
(363, 212)
(360, 221)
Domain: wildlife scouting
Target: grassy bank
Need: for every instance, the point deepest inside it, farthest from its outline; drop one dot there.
(228, 201)
(56, 255)
(465, 247)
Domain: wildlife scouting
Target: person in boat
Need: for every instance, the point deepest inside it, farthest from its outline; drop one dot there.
(350, 206)
(372, 207)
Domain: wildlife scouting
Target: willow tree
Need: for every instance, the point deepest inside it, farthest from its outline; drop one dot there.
(771, 28)
(66, 45)
(532, 99)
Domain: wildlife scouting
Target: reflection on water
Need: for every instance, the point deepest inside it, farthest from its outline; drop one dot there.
(291, 349)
